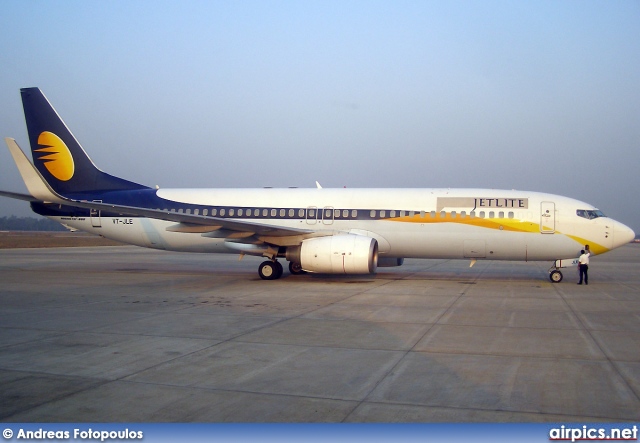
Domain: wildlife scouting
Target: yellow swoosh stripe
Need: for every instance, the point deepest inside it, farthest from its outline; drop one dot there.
(506, 225)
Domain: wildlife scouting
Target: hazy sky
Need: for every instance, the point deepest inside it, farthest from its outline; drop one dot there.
(535, 95)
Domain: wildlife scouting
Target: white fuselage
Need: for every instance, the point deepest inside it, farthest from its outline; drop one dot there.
(410, 223)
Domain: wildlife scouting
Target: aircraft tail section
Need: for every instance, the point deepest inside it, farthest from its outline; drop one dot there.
(58, 156)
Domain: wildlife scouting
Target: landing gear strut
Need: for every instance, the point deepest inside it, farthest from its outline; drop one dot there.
(270, 270)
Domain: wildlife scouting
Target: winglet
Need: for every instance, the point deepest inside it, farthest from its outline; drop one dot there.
(35, 183)
(318, 185)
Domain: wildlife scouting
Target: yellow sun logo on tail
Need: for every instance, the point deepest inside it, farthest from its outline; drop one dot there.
(57, 158)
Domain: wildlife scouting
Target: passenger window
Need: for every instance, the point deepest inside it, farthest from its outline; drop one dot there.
(354, 213)
(300, 213)
(511, 215)
(265, 212)
(196, 211)
(392, 214)
(274, 212)
(482, 215)
(383, 214)
(180, 210)
(432, 214)
(240, 212)
(327, 213)
(188, 211)
(372, 214)
(222, 212)
(291, 213)
(443, 214)
(336, 213)
(205, 212)
(412, 214)
(214, 212)
(473, 214)
(312, 213)
(345, 213)
(282, 212)
(492, 214)
(501, 214)
(231, 212)
(453, 214)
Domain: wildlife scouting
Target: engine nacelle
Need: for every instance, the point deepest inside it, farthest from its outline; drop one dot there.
(338, 254)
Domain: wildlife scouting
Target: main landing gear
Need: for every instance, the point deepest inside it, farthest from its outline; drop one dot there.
(272, 269)
(296, 268)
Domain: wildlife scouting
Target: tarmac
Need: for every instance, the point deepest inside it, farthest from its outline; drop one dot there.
(124, 334)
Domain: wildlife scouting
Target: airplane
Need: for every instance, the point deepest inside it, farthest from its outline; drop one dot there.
(317, 230)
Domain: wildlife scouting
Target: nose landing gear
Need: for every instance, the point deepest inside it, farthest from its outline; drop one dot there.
(555, 276)
(554, 271)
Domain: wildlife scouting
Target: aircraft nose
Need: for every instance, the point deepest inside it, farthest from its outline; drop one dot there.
(622, 234)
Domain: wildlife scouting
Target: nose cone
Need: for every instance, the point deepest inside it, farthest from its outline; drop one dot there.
(622, 234)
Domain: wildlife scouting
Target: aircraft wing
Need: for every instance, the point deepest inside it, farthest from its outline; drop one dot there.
(41, 192)
(190, 222)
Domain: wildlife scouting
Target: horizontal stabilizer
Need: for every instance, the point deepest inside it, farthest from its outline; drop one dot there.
(18, 196)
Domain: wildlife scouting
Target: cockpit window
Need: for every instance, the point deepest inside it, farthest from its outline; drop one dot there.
(590, 214)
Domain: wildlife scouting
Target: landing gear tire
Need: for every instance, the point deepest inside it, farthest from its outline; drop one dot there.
(296, 268)
(555, 276)
(270, 270)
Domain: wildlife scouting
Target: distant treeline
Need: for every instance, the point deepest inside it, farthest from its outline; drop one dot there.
(14, 223)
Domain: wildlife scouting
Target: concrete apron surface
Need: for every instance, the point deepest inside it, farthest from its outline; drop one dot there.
(123, 334)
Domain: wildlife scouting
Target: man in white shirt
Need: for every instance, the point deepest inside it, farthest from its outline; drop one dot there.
(583, 266)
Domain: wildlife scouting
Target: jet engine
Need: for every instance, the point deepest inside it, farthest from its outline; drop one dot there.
(338, 254)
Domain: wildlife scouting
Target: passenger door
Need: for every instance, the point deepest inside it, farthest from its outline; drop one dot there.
(547, 217)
